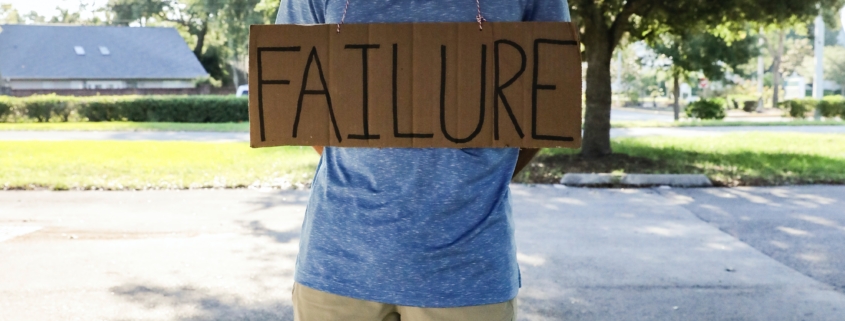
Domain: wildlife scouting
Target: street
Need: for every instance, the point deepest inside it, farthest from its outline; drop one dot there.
(585, 254)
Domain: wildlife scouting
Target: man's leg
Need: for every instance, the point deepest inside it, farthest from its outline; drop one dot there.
(314, 305)
(505, 311)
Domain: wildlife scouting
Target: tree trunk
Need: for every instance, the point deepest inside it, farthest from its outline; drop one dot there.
(776, 70)
(677, 93)
(599, 52)
(235, 75)
(201, 39)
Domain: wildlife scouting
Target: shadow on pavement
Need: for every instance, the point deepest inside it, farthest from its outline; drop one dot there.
(199, 304)
(801, 227)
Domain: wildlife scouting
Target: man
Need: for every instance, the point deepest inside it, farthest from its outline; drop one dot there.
(403, 233)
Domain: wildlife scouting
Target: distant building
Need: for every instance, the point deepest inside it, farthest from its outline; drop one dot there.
(77, 59)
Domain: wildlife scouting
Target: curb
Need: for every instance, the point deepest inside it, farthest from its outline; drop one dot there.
(635, 180)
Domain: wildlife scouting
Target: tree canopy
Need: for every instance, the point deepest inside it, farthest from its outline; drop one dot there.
(216, 29)
(703, 52)
(604, 23)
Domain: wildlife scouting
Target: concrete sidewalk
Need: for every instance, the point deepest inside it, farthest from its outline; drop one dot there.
(585, 254)
(218, 137)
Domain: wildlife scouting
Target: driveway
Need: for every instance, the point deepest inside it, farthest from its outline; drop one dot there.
(585, 254)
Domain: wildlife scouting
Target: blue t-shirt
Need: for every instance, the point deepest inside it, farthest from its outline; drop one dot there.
(427, 227)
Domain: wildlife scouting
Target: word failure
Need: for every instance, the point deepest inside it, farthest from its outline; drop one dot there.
(416, 85)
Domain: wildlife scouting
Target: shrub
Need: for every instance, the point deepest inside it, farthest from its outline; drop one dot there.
(44, 107)
(707, 109)
(101, 108)
(195, 109)
(749, 105)
(831, 106)
(798, 108)
(6, 104)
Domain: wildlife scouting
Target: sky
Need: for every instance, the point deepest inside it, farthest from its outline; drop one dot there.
(47, 8)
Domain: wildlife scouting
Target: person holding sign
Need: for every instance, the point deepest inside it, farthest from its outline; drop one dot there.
(411, 234)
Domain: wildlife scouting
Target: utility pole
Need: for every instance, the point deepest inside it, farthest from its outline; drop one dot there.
(760, 72)
(818, 78)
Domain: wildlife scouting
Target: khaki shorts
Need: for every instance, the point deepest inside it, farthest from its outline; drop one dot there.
(314, 305)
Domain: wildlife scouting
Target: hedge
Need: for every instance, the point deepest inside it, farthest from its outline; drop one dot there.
(828, 107)
(707, 109)
(187, 109)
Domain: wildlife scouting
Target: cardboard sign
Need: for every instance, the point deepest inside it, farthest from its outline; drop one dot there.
(515, 84)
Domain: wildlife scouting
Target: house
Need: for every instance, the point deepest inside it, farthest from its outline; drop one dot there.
(83, 60)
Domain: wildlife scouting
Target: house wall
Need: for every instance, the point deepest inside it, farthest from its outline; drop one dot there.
(202, 90)
(99, 84)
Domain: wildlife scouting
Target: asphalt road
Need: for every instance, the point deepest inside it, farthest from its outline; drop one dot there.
(217, 137)
(585, 254)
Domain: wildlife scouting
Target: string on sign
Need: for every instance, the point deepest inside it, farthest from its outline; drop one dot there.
(479, 17)
(343, 17)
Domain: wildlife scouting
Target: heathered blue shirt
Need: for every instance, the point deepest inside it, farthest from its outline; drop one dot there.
(414, 227)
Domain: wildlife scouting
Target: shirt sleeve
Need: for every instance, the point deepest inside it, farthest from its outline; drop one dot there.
(301, 12)
(547, 10)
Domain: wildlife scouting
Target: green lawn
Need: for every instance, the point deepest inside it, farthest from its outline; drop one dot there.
(128, 126)
(722, 123)
(150, 165)
(729, 160)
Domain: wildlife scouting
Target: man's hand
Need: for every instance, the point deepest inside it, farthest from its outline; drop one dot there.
(525, 157)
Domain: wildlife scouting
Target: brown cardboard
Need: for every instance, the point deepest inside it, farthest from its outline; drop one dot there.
(419, 85)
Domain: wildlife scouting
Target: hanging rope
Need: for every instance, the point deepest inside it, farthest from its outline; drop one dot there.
(479, 17)
(343, 17)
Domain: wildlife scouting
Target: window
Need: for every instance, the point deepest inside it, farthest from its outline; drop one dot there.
(79, 50)
(104, 51)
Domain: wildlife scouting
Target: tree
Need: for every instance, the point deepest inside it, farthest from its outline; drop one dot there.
(126, 12)
(834, 66)
(604, 23)
(702, 52)
(9, 15)
(218, 30)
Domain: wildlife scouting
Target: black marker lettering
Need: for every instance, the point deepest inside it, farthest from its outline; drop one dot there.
(499, 94)
(443, 96)
(396, 132)
(366, 134)
(535, 87)
(325, 91)
(262, 82)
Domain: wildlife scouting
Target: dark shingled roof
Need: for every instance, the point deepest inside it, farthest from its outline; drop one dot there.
(47, 52)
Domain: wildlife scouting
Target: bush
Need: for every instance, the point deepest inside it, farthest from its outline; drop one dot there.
(707, 109)
(749, 105)
(44, 107)
(193, 109)
(798, 108)
(831, 106)
(6, 105)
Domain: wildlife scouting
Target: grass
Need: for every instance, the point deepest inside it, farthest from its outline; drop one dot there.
(115, 165)
(728, 160)
(128, 126)
(722, 123)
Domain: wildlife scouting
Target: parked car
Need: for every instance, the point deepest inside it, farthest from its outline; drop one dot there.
(243, 90)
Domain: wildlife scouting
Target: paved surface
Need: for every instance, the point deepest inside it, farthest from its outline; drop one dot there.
(666, 115)
(216, 137)
(585, 254)
(244, 137)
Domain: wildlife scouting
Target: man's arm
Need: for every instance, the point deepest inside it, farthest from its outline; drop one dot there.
(525, 157)
(319, 149)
